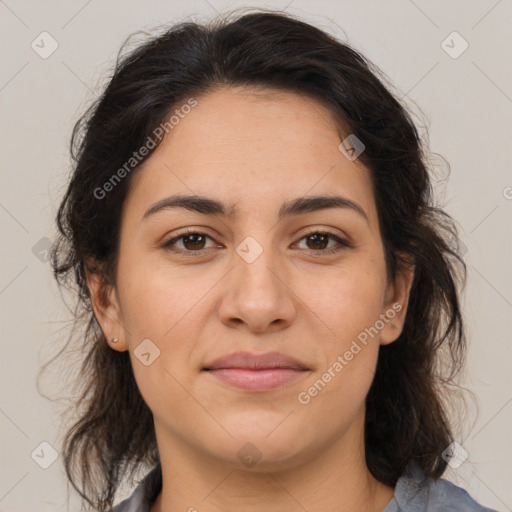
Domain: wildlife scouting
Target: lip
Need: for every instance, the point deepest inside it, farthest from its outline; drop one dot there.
(253, 361)
(256, 372)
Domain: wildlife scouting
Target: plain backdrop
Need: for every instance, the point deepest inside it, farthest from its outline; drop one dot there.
(465, 96)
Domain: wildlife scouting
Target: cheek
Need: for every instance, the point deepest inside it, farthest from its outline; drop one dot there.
(167, 305)
(348, 299)
(349, 303)
(155, 295)
(335, 393)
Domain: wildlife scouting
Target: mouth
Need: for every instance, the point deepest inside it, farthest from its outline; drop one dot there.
(256, 372)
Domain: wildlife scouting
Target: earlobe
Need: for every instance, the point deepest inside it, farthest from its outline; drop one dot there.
(106, 310)
(395, 308)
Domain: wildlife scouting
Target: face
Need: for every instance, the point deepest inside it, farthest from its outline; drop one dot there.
(309, 284)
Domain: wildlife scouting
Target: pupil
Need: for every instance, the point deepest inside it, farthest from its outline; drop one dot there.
(316, 237)
(194, 239)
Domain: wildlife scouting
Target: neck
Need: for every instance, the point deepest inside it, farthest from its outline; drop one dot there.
(333, 480)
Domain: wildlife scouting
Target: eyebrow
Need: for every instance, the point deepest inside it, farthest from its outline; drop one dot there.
(208, 206)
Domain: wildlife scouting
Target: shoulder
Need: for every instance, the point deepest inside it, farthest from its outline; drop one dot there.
(144, 494)
(414, 492)
(446, 496)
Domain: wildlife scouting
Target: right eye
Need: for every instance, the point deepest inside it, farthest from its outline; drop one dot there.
(193, 241)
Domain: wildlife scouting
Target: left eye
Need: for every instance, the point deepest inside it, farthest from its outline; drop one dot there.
(193, 241)
(321, 240)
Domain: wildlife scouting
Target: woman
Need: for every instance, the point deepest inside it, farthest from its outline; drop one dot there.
(268, 285)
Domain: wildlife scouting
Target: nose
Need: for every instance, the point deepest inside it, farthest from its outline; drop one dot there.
(257, 296)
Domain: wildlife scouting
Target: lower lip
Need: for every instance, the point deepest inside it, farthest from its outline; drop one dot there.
(257, 380)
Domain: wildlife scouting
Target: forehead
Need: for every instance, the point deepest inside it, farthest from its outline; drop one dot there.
(234, 122)
(252, 147)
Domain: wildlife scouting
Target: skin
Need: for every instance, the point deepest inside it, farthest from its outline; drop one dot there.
(256, 150)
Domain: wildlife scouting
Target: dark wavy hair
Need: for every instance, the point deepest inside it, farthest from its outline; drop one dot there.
(406, 407)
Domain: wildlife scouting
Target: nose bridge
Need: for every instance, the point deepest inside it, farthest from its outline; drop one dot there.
(258, 265)
(257, 294)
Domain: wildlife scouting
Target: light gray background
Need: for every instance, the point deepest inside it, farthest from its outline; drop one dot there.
(467, 102)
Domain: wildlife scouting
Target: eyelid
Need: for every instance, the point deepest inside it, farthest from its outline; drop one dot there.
(188, 231)
(327, 231)
(342, 242)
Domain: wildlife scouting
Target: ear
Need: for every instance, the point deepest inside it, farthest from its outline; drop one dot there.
(396, 302)
(106, 310)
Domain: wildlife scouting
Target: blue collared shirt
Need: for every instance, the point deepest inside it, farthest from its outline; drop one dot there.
(413, 493)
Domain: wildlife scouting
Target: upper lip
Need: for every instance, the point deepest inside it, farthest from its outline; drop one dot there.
(251, 361)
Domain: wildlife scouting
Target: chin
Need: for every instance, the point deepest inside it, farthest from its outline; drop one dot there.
(264, 456)
(265, 446)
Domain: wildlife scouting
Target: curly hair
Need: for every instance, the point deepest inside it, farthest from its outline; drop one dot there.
(406, 414)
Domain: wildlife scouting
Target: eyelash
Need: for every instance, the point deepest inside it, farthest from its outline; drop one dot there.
(342, 244)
